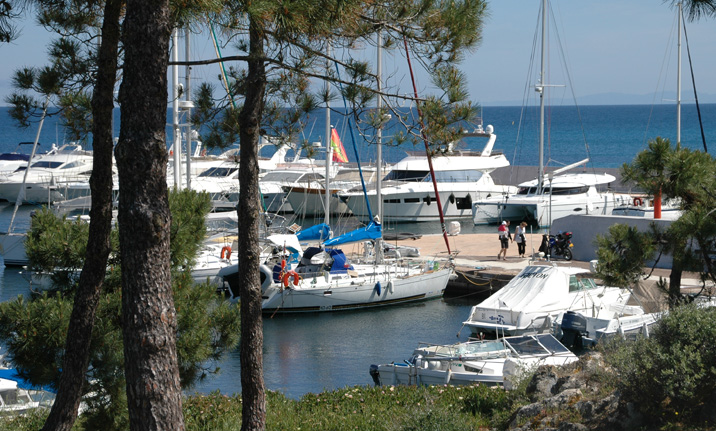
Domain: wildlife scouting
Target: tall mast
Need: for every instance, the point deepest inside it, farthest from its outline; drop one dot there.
(188, 103)
(678, 79)
(540, 89)
(379, 150)
(329, 148)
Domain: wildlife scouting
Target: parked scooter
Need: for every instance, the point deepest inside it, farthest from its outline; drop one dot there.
(557, 245)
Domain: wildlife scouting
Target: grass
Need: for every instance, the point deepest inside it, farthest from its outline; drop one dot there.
(388, 408)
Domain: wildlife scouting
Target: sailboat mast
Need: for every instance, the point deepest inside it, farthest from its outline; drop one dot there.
(678, 79)
(188, 104)
(540, 89)
(329, 148)
(379, 150)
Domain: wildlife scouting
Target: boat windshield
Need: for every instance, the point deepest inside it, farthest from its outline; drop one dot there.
(559, 191)
(416, 176)
(218, 172)
(551, 343)
(527, 190)
(579, 284)
(526, 345)
(47, 164)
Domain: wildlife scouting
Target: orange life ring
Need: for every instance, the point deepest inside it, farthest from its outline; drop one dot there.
(638, 202)
(226, 252)
(291, 274)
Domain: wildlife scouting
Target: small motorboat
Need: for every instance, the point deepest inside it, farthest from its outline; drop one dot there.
(500, 362)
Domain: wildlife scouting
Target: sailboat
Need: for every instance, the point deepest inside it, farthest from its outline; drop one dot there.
(551, 195)
(325, 279)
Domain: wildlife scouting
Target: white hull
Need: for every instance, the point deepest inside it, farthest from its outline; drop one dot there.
(335, 293)
(416, 202)
(540, 210)
(536, 299)
(492, 362)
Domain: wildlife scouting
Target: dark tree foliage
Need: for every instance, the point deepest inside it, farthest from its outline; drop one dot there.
(9, 11)
(37, 327)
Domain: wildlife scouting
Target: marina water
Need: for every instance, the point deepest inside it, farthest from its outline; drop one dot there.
(315, 352)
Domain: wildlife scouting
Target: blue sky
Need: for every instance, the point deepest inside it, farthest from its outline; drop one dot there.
(612, 47)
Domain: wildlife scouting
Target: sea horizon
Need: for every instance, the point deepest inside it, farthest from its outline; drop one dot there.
(608, 135)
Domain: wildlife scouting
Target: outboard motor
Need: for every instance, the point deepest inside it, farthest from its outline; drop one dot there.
(375, 374)
(574, 328)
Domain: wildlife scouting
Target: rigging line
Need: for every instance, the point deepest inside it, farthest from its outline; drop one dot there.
(525, 99)
(664, 66)
(696, 97)
(355, 149)
(571, 87)
(427, 147)
(215, 41)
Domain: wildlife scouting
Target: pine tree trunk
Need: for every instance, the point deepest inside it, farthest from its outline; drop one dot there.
(77, 348)
(252, 338)
(148, 316)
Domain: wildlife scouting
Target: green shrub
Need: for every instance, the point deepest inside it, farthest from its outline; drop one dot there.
(671, 375)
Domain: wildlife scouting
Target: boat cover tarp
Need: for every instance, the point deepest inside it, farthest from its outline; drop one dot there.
(536, 288)
(370, 232)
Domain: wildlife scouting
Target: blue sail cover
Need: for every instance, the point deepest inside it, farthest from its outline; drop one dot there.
(372, 231)
(317, 232)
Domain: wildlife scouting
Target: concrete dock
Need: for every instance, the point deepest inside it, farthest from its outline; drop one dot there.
(480, 272)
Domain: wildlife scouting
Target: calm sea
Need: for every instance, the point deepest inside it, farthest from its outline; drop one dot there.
(608, 135)
(311, 353)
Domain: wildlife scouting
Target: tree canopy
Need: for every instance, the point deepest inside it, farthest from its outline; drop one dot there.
(34, 328)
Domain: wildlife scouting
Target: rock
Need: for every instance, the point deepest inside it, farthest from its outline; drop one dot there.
(558, 393)
(542, 382)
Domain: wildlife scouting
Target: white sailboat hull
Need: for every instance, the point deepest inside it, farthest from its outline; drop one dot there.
(369, 290)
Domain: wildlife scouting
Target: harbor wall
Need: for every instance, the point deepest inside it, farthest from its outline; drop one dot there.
(585, 228)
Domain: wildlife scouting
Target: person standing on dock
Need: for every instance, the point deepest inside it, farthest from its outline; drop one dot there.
(505, 238)
(520, 238)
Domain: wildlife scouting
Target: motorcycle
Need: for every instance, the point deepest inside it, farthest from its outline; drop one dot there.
(557, 245)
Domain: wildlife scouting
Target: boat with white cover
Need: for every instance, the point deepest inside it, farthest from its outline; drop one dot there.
(536, 298)
(462, 177)
(493, 362)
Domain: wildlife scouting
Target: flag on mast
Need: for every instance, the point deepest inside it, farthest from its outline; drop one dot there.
(339, 153)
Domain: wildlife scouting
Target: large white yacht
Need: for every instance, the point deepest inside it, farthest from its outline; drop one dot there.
(44, 180)
(461, 176)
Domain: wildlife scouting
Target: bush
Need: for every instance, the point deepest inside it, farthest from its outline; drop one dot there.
(671, 375)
